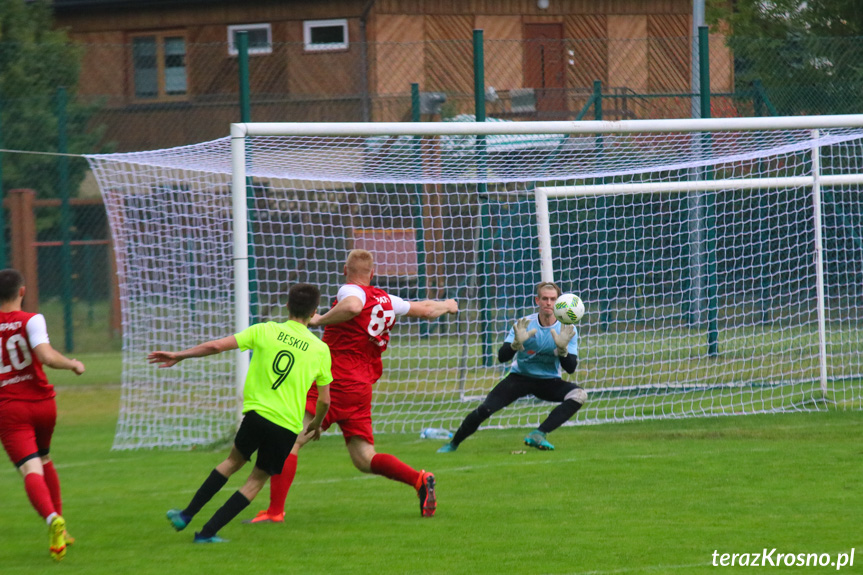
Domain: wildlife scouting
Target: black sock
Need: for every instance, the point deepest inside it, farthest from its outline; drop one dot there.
(470, 424)
(232, 507)
(209, 488)
(559, 415)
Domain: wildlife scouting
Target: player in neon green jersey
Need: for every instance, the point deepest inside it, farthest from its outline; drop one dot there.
(287, 359)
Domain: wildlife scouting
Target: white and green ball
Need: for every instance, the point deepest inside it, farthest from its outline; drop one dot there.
(568, 308)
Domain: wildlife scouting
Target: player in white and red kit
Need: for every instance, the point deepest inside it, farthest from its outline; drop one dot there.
(27, 408)
(357, 330)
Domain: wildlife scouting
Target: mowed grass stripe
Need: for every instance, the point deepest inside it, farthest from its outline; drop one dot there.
(639, 497)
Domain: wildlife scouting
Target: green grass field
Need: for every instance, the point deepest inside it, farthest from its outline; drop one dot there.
(650, 497)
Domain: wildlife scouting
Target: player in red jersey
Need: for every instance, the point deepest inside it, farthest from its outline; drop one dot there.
(357, 330)
(27, 408)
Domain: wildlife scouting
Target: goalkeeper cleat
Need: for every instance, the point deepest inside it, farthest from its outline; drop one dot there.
(178, 519)
(448, 448)
(427, 495)
(537, 439)
(211, 539)
(57, 535)
(265, 517)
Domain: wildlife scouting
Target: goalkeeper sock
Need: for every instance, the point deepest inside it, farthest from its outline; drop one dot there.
(232, 507)
(559, 415)
(470, 424)
(392, 467)
(210, 487)
(280, 485)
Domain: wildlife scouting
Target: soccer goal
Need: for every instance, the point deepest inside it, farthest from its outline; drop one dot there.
(721, 261)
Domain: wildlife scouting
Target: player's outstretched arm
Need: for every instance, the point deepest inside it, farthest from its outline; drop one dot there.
(345, 310)
(521, 334)
(53, 358)
(172, 358)
(430, 309)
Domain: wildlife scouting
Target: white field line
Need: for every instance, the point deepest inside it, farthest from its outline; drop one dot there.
(641, 569)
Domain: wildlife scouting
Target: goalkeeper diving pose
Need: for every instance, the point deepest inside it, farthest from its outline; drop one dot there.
(539, 346)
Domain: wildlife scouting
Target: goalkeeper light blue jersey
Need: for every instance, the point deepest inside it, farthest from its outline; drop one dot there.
(538, 359)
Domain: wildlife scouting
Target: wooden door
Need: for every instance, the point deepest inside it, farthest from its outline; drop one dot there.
(545, 68)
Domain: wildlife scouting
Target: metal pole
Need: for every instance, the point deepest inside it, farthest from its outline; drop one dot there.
(543, 226)
(602, 221)
(710, 200)
(484, 277)
(704, 70)
(243, 66)
(65, 218)
(364, 61)
(697, 23)
(819, 262)
(419, 226)
(241, 252)
(240, 195)
(246, 116)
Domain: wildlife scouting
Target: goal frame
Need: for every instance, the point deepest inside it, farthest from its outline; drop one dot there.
(240, 131)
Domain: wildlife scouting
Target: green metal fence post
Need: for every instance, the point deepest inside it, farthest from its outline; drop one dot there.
(419, 226)
(65, 218)
(242, 42)
(483, 275)
(710, 203)
(597, 100)
(601, 219)
(762, 98)
(246, 116)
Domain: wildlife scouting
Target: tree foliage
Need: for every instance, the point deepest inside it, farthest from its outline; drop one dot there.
(35, 62)
(806, 53)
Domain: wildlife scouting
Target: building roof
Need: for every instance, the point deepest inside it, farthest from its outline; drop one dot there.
(65, 5)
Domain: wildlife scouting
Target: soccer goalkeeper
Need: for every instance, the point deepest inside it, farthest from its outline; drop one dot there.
(539, 346)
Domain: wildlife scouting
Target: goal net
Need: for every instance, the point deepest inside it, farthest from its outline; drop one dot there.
(721, 262)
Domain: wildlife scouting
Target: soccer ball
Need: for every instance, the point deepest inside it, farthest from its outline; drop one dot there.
(568, 308)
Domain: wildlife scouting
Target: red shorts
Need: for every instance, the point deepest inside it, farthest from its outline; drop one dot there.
(352, 410)
(26, 428)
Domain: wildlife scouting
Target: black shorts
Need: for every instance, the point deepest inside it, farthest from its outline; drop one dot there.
(272, 442)
(515, 386)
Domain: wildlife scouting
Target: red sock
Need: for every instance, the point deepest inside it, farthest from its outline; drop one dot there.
(52, 480)
(40, 497)
(280, 485)
(391, 467)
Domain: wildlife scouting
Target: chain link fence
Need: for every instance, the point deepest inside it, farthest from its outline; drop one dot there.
(126, 98)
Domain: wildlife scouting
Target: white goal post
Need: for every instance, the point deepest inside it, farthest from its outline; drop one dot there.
(721, 260)
(813, 182)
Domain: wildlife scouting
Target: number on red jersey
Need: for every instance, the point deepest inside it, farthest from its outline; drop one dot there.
(380, 321)
(18, 352)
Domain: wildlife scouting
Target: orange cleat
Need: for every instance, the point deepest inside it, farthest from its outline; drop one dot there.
(265, 517)
(426, 493)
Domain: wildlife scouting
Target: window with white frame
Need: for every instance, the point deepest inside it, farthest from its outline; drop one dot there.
(319, 35)
(260, 38)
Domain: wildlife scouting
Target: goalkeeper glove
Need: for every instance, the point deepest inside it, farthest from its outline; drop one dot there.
(521, 334)
(562, 339)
